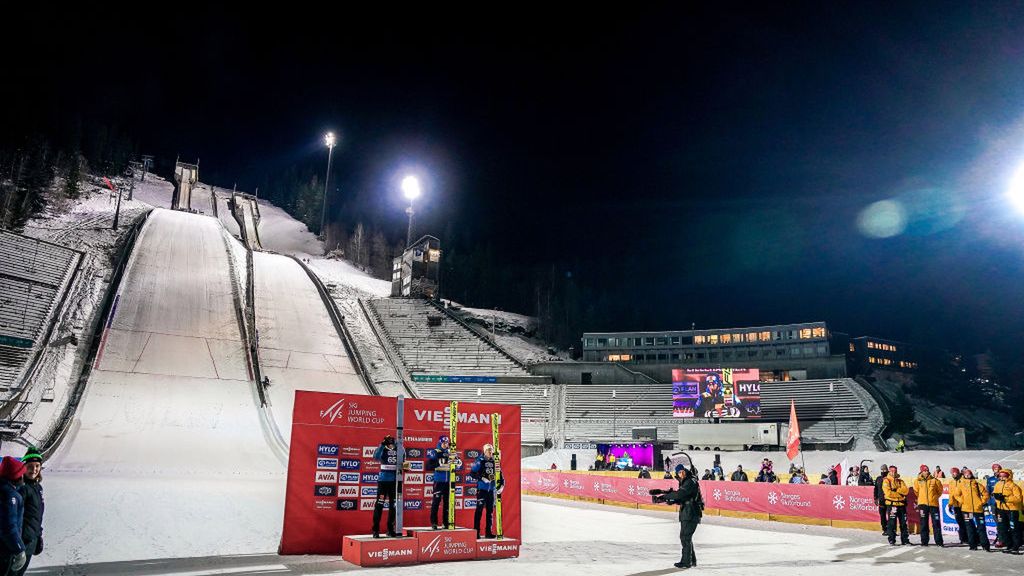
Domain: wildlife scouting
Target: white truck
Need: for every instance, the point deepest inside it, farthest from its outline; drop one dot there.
(731, 435)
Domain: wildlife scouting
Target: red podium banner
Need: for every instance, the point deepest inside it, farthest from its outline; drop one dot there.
(332, 476)
(845, 503)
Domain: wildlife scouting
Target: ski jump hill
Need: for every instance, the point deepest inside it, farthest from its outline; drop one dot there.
(177, 444)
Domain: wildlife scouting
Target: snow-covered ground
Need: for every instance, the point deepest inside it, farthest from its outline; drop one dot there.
(562, 537)
(299, 346)
(167, 454)
(816, 462)
(83, 224)
(512, 332)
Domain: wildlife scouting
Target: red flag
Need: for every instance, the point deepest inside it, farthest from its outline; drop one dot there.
(110, 184)
(793, 441)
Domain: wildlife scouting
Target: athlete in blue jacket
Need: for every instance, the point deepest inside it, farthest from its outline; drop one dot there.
(440, 461)
(12, 511)
(387, 455)
(483, 471)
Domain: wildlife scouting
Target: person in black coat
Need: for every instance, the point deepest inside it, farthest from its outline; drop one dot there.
(32, 493)
(883, 510)
(12, 511)
(691, 509)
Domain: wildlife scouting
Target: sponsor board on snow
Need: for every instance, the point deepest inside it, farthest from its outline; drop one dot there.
(327, 463)
(323, 477)
(324, 491)
(349, 478)
(327, 449)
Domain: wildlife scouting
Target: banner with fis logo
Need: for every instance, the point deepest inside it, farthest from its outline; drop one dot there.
(332, 476)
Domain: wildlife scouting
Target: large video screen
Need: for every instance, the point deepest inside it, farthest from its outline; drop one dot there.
(716, 393)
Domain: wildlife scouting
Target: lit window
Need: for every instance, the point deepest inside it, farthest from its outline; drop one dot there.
(726, 338)
(613, 358)
(751, 336)
(871, 344)
(818, 332)
(712, 338)
(851, 347)
(805, 333)
(764, 336)
(699, 339)
(626, 357)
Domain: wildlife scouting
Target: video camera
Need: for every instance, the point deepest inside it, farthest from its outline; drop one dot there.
(658, 496)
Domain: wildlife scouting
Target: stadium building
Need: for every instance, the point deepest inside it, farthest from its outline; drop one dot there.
(868, 353)
(781, 352)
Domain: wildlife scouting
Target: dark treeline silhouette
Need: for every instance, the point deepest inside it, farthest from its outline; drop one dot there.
(38, 166)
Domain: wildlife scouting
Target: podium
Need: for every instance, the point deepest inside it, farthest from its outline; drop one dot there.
(423, 545)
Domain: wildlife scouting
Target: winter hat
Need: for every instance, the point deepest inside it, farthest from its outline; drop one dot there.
(954, 470)
(996, 467)
(441, 440)
(679, 467)
(893, 468)
(11, 469)
(32, 455)
(924, 467)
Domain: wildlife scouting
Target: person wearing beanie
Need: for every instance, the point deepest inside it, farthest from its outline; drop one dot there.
(388, 484)
(32, 493)
(691, 509)
(928, 489)
(973, 498)
(441, 460)
(954, 503)
(896, 490)
(883, 510)
(1008, 506)
(12, 512)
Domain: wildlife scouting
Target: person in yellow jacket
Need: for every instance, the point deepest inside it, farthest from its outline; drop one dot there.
(1008, 505)
(955, 477)
(895, 491)
(928, 490)
(972, 497)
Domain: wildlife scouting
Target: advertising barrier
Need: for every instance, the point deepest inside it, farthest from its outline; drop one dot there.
(332, 476)
(841, 503)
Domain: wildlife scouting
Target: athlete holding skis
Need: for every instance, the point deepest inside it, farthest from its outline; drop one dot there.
(387, 484)
(440, 461)
(483, 470)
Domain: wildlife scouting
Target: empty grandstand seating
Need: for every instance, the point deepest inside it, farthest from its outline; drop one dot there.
(33, 277)
(843, 415)
(430, 343)
(533, 398)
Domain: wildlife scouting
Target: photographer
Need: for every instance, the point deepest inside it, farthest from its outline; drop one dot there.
(691, 508)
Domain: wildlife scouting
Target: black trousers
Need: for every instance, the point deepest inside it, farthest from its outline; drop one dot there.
(688, 556)
(5, 563)
(485, 499)
(977, 533)
(930, 514)
(385, 497)
(441, 494)
(1008, 522)
(898, 513)
(961, 524)
(883, 517)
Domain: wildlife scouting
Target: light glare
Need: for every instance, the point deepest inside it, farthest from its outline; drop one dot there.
(411, 187)
(329, 139)
(1016, 190)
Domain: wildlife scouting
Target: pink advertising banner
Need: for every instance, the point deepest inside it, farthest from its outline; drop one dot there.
(846, 503)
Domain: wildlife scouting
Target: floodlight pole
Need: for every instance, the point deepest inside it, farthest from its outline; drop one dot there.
(327, 179)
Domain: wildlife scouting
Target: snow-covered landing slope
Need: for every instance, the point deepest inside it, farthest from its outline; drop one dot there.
(299, 346)
(167, 455)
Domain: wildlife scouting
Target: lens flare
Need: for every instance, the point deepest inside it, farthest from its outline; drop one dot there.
(883, 219)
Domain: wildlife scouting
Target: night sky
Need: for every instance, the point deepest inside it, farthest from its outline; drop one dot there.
(707, 167)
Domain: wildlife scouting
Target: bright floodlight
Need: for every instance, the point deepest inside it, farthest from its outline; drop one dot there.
(1016, 190)
(329, 139)
(411, 187)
